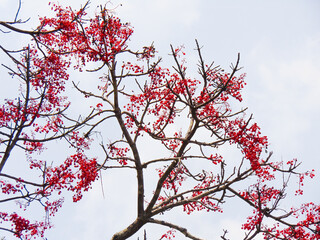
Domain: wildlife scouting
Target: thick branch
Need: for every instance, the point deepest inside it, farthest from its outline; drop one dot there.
(184, 231)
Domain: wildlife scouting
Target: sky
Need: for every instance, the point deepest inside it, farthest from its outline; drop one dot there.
(279, 43)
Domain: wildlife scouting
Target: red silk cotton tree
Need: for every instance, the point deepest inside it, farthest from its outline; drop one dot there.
(184, 119)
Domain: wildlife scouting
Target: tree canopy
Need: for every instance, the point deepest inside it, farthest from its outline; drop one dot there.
(137, 102)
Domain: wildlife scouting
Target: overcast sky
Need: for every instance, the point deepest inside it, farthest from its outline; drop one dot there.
(279, 43)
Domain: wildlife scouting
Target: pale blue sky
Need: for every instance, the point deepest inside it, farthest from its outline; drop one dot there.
(279, 43)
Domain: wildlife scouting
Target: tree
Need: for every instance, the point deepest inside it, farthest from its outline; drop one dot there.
(186, 119)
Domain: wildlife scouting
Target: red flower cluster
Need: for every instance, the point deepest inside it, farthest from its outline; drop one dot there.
(249, 139)
(100, 41)
(170, 234)
(23, 227)
(207, 203)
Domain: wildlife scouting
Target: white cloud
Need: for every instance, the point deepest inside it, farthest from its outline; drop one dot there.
(164, 11)
(3, 2)
(285, 87)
